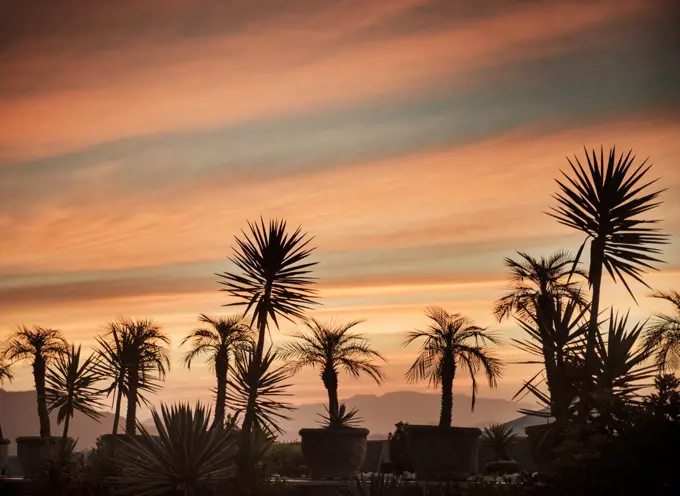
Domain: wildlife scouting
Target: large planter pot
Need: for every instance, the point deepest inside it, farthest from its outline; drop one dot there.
(443, 453)
(35, 452)
(4, 454)
(333, 453)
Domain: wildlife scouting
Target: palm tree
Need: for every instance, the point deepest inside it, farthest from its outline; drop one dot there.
(333, 347)
(536, 283)
(217, 341)
(272, 278)
(452, 341)
(5, 374)
(663, 336)
(135, 354)
(41, 346)
(71, 387)
(189, 456)
(605, 203)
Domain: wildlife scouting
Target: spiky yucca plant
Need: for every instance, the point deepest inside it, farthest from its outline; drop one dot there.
(190, 456)
(498, 437)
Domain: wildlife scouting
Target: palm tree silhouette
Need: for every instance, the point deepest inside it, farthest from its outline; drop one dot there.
(5, 375)
(272, 278)
(72, 386)
(605, 203)
(452, 341)
(217, 342)
(536, 283)
(333, 347)
(40, 346)
(135, 354)
(663, 336)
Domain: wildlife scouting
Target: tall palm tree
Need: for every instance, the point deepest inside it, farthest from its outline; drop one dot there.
(5, 375)
(333, 347)
(536, 283)
(272, 277)
(40, 346)
(663, 336)
(217, 341)
(451, 341)
(606, 202)
(72, 386)
(135, 354)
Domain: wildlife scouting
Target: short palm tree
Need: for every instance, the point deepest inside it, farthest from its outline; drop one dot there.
(190, 455)
(217, 341)
(536, 283)
(452, 341)
(135, 355)
(72, 386)
(605, 201)
(40, 346)
(333, 347)
(663, 336)
(272, 277)
(498, 437)
(5, 375)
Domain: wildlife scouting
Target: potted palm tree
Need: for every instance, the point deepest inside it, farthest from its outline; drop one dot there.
(40, 346)
(338, 449)
(499, 438)
(218, 342)
(452, 341)
(5, 374)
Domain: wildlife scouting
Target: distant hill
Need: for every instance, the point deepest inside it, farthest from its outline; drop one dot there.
(19, 416)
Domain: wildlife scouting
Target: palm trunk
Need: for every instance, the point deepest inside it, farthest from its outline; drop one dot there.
(595, 278)
(448, 373)
(64, 437)
(131, 419)
(221, 367)
(330, 382)
(119, 401)
(254, 376)
(43, 414)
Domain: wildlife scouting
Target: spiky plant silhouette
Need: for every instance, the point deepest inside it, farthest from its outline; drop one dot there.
(606, 200)
(452, 341)
(498, 437)
(5, 375)
(332, 348)
(663, 336)
(217, 342)
(40, 346)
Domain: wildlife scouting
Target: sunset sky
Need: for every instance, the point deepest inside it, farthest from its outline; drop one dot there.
(416, 140)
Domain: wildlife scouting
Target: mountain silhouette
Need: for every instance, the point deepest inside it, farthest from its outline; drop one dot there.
(19, 417)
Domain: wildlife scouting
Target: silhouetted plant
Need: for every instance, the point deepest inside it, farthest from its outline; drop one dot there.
(605, 202)
(40, 346)
(217, 342)
(333, 347)
(452, 341)
(272, 278)
(190, 455)
(663, 336)
(399, 453)
(270, 383)
(5, 375)
(340, 418)
(72, 386)
(135, 354)
(498, 437)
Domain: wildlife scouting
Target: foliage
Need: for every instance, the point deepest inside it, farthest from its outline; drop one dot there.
(217, 342)
(498, 437)
(190, 455)
(376, 485)
(452, 341)
(270, 383)
(5, 375)
(72, 386)
(340, 418)
(331, 347)
(41, 346)
(663, 336)
(285, 460)
(399, 453)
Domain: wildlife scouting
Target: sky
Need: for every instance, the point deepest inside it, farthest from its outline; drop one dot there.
(416, 140)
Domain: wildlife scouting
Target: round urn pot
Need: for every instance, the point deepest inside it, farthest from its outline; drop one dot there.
(334, 453)
(34, 452)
